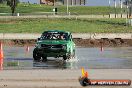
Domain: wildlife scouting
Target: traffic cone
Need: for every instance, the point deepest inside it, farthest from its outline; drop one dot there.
(27, 49)
(1, 64)
(101, 48)
(84, 74)
(1, 51)
(1, 56)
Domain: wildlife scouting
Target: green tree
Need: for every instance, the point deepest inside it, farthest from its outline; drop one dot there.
(13, 5)
(2, 1)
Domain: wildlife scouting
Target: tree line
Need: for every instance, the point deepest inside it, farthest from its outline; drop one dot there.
(11, 3)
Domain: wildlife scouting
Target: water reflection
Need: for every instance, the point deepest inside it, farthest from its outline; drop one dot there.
(115, 58)
(55, 64)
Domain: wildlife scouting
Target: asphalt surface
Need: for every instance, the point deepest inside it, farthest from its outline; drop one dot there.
(58, 78)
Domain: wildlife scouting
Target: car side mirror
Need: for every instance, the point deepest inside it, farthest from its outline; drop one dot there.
(38, 38)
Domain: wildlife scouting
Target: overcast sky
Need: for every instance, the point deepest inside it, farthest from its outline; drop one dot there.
(89, 2)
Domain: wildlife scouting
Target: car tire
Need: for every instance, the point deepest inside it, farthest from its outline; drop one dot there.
(68, 56)
(44, 58)
(65, 57)
(36, 56)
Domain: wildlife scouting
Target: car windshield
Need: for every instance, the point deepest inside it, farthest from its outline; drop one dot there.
(54, 36)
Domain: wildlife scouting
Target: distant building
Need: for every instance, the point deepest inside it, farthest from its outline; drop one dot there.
(30, 1)
(64, 2)
(74, 2)
(42, 1)
(46, 1)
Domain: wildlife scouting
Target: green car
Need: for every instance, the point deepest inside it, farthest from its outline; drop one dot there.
(54, 43)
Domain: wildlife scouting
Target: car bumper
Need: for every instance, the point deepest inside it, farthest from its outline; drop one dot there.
(52, 52)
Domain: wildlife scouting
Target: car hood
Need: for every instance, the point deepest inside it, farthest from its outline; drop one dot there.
(52, 42)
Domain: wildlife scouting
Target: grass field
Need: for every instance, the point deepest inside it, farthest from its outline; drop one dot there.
(75, 26)
(33, 8)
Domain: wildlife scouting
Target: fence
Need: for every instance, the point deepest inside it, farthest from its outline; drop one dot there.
(75, 35)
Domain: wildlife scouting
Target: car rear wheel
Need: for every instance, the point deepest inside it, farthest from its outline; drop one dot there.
(36, 56)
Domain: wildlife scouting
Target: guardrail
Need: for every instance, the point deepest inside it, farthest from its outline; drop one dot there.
(75, 35)
(48, 14)
(37, 13)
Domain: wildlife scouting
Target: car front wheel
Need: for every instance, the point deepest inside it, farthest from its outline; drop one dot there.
(68, 56)
(44, 58)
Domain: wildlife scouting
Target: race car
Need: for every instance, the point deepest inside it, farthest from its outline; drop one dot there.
(54, 43)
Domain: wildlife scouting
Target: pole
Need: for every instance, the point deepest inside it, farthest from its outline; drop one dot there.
(115, 7)
(127, 10)
(109, 8)
(121, 7)
(54, 3)
(130, 9)
(54, 7)
(75, 2)
(67, 7)
(72, 2)
(84, 2)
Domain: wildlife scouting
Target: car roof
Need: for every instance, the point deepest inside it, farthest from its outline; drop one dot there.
(61, 31)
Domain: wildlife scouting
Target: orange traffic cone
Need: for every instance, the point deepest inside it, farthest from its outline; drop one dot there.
(84, 74)
(1, 64)
(101, 48)
(1, 51)
(1, 56)
(27, 49)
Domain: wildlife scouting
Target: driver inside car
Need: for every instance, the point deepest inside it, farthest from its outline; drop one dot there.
(61, 36)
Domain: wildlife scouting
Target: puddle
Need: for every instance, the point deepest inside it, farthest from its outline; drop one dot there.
(113, 58)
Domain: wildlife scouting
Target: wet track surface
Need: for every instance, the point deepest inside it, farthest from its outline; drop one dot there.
(109, 58)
